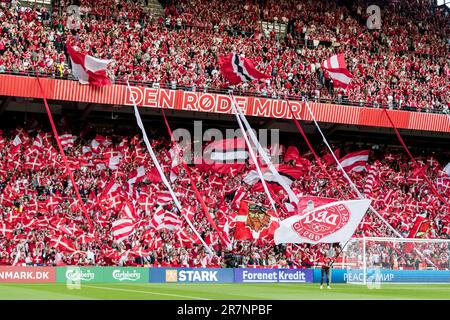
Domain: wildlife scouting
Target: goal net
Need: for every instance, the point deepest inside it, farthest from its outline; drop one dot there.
(376, 260)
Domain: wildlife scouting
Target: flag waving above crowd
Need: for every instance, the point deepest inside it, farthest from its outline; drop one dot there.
(330, 223)
(97, 184)
(355, 161)
(88, 69)
(337, 71)
(226, 156)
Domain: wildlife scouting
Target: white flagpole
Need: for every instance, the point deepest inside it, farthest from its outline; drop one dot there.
(252, 154)
(161, 173)
(262, 152)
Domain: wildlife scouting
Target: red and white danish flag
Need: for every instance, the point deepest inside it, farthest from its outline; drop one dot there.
(337, 70)
(62, 244)
(137, 175)
(227, 156)
(6, 230)
(87, 69)
(237, 69)
(330, 223)
(447, 169)
(443, 185)
(163, 219)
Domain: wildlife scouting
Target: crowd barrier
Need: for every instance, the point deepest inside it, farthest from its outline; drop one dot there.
(71, 274)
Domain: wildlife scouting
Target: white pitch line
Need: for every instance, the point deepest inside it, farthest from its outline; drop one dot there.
(146, 292)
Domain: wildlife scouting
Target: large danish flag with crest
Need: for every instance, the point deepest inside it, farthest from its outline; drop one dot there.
(330, 223)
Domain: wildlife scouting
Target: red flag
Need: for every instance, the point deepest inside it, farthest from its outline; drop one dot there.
(137, 175)
(443, 185)
(165, 220)
(186, 240)
(163, 198)
(146, 203)
(311, 202)
(237, 69)
(154, 176)
(287, 173)
(15, 146)
(372, 180)
(33, 164)
(52, 203)
(254, 222)
(62, 244)
(88, 69)
(67, 140)
(330, 223)
(85, 238)
(291, 154)
(122, 228)
(224, 156)
(417, 175)
(236, 196)
(128, 211)
(189, 212)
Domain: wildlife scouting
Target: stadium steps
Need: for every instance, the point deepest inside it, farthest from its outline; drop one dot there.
(156, 7)
(280, 28)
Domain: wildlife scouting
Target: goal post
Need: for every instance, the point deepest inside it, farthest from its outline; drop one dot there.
(373, 260)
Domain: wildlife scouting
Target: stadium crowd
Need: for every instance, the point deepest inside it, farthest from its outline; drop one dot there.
(402, 65)
(42, 223)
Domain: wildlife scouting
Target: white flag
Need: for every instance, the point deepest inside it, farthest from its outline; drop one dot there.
(330, 223)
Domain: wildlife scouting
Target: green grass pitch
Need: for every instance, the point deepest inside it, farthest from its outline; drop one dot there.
(234, 291)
